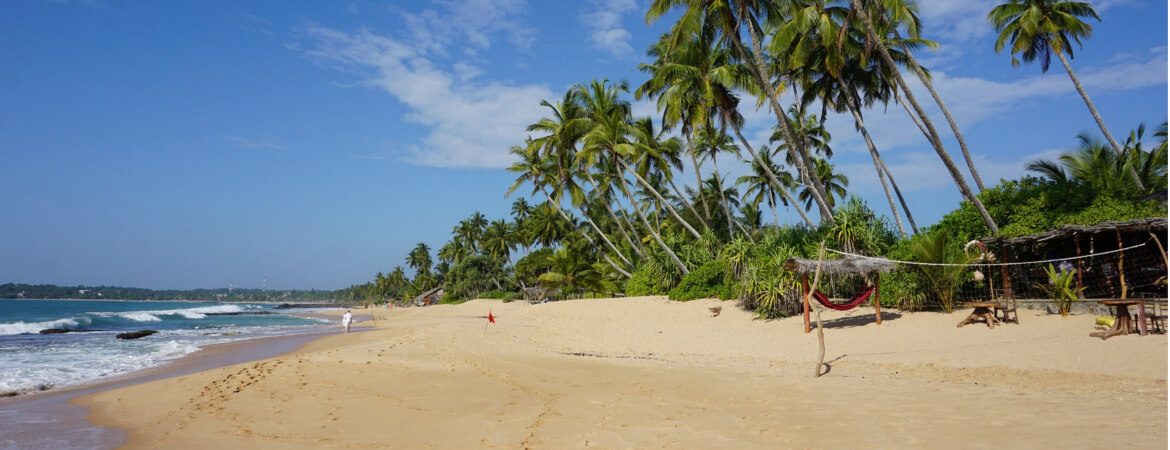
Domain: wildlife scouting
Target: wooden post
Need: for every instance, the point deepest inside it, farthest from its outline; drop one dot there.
(1161, 250)
(877, 290)
(1006, 275)
(1121, 266)
(1080, 266)
(804, 290)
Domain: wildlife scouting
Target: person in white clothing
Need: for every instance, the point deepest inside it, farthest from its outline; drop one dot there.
(346, 320)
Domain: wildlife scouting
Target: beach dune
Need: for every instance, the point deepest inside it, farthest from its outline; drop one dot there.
(648, 372)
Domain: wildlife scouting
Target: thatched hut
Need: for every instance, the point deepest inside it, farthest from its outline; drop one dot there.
(864, 267)
(429, 298)
(1119, 259)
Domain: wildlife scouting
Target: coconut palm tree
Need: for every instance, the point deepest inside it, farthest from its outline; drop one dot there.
(1094, 166)
(419, 258)
(835, 183)
(609, 134)
(878, 41)
(713, 22)
(1037, 29)
(544, 174)
(571, 273)
(497, 240)
(759, 188)
(833, 70)
(658, 155)
(709, 144)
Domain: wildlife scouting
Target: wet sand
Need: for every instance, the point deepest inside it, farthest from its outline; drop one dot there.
(648, 372)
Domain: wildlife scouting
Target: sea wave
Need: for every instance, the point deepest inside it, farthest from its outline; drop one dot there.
(7, 329)
(187, 313)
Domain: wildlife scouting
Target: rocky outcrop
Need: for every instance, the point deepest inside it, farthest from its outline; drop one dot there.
(135, 334)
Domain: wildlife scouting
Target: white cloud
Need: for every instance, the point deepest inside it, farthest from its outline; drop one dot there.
(472, 124)
(255, 144)
(605, 24)
(471, 22)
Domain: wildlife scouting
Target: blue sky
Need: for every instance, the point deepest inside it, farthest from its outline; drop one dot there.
(196, 144)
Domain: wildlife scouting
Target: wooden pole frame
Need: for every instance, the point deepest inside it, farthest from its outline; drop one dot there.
(877, 292)
(805, 291)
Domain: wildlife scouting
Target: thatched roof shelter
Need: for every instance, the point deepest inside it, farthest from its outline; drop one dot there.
(429, 297)
(1151, 224)
(846, 266)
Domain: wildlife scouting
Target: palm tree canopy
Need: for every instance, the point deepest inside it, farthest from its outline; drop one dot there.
(1035, 28)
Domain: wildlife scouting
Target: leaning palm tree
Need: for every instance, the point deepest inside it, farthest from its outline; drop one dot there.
(724, 23)
(609, 136)
(1037, 29)
(829, 59)
(836, 184)
(760, 189)
(542, 174)
(710, 144)
(878, 40)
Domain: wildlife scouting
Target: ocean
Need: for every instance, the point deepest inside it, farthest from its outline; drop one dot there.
(31, 361)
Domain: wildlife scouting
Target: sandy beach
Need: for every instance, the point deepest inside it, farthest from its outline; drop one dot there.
(648, 372)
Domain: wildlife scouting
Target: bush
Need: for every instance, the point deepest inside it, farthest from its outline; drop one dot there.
(500, 295)
(706, 281)
(647, 280)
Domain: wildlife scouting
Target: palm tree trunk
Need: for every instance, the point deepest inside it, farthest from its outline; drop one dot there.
(1097, 116)
(934, 139)
(653, 231)
(803, 163)
(595, 228)
(657, 195)
(921, 129)
(691, 207)
(722, 198)
(873, 153)
(946, 112)
(605, 238)
(775, 215)
(898, 193)
(772, 176)
(698, 177)
(621, 227)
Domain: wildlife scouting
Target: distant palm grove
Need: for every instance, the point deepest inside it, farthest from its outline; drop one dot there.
(607, 210)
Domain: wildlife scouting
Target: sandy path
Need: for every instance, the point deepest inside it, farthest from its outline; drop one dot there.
(653, 373)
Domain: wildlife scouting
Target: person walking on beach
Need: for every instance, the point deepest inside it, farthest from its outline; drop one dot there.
(346, 320)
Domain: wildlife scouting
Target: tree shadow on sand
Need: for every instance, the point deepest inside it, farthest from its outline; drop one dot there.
(859, 320)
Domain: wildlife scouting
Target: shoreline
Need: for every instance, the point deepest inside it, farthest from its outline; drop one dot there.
(55, 419)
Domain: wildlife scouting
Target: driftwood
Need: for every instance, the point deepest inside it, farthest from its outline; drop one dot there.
(820, 326)
(538, 294)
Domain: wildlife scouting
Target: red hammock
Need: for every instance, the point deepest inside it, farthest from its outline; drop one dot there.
(843, 306)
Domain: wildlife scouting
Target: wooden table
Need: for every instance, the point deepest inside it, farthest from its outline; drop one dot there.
(983, 310)
(1122, 324)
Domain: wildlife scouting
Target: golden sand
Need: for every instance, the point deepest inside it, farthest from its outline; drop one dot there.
(648, 372)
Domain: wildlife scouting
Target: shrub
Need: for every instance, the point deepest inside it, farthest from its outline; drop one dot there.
(706, 281)
(500, 295)
(646, 280)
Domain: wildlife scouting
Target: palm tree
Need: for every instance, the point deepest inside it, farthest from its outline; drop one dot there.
(710, 22)
(419, 258)
(542, 174)
(877, 40)
(835, 184)
(571, 273)
(609, 135)
(710, 145)
(827, 55)
(1094, 166)
(659, 156)
(760, 189)
(497, 240)
(1037, 29)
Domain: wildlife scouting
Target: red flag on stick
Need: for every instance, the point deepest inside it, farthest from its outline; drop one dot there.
(491, 318)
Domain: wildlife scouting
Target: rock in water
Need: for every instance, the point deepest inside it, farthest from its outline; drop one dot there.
(136, 334)
(56, 331)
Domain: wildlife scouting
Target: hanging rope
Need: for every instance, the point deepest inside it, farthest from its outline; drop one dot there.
(859, 299)
(1020, 263)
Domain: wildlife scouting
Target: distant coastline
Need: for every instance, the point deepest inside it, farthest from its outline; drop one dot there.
(56, 292)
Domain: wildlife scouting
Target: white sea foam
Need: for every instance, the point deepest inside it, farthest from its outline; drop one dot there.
(7, 329)
(187, 313)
